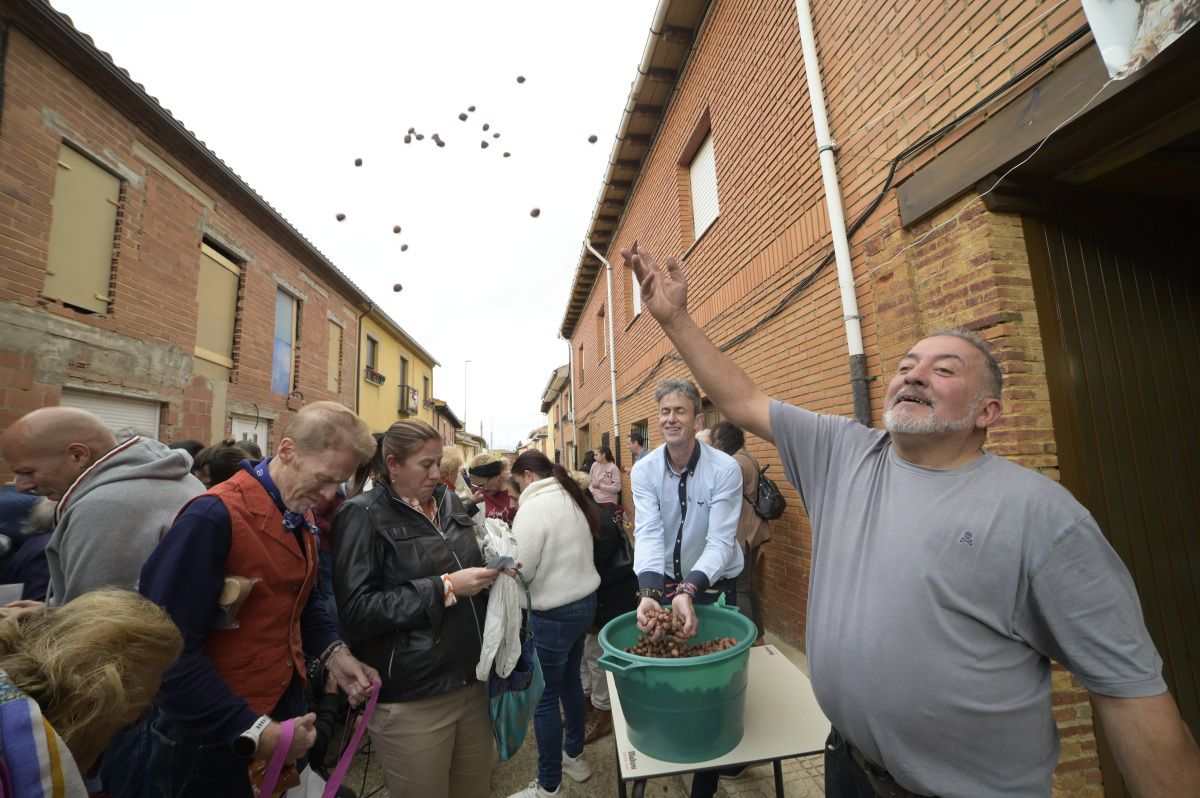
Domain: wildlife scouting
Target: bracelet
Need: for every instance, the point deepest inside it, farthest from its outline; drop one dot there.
(688, 588)
(651, 593)
(334, 647)
(449, 599)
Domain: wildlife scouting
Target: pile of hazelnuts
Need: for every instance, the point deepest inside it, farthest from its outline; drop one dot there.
(667, 648)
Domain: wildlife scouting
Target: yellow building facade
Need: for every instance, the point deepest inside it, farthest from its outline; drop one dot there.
(395, 377)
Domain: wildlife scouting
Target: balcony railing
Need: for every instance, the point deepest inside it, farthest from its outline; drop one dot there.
(409, 400)
(372, 376)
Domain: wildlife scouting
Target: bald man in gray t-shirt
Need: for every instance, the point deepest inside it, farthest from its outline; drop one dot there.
(944, 579)
(937, 599)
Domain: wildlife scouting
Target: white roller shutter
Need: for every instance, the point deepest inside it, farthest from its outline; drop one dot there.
(122, 414)
(703, 174)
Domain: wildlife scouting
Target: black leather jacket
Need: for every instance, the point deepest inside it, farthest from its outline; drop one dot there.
(387, 565)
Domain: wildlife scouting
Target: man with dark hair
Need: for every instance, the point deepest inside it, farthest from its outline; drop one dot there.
(944, 580)
(637, 445)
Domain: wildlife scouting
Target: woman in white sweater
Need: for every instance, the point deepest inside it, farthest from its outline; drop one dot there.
(554, 531)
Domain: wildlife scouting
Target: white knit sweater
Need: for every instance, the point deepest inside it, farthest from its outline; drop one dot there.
(554, 546)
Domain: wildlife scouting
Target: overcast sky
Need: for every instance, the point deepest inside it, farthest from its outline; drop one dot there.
(289, 94)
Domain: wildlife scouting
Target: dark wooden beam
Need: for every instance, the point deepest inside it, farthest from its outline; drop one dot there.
(1011, 131)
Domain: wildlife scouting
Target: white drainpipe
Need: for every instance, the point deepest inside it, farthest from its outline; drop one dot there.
(574, 431)
(612, 350)
(837, 219)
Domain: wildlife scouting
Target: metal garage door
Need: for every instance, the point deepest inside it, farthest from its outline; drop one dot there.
(121, 413)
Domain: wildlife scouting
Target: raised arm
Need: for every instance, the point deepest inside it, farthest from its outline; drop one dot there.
(664, 293)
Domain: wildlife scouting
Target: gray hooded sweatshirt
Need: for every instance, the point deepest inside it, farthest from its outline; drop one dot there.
(113, 516)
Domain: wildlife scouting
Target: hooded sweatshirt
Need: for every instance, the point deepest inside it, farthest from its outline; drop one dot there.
(113, 516)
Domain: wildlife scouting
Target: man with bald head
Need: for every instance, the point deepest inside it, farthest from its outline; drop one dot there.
(115, 500)
(944, 580)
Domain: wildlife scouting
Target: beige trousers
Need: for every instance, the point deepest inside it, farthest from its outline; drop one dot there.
(439, 747)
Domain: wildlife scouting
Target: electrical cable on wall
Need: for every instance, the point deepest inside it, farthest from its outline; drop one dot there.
(912, 150)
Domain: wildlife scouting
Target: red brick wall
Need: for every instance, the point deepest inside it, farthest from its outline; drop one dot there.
(747, 72)
(156, 268)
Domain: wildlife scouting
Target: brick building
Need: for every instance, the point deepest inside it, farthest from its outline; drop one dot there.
(560, 431)
(1078, 266)
(139, 276)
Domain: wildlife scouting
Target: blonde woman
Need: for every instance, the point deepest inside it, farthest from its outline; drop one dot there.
(488, 475)
(70, 679)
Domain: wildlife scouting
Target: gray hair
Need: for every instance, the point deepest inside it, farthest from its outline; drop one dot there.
(685, 388)
(994, 376)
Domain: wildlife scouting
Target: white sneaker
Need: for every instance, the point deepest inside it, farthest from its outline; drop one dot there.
(534, 790)
(575, 767)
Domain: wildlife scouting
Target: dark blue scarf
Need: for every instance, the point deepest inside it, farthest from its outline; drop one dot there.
(292, 520)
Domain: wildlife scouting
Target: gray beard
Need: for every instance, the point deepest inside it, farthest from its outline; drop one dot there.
(898, 424)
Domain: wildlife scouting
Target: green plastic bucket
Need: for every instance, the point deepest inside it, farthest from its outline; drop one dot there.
(688, 709)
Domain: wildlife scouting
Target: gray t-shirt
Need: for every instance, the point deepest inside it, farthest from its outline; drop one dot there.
(937, 599)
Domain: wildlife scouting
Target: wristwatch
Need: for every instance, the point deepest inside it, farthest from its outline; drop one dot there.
(246, 743)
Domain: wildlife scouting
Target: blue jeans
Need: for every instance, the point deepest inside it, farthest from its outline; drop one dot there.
(558, 636)
(181, 767)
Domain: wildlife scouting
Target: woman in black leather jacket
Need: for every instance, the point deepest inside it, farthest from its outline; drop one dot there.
(407, 579)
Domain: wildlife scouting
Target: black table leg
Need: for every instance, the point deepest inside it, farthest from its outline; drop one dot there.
(639, 788)
(777, 766)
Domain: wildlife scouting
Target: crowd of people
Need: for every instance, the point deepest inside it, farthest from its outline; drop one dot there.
(176, 600)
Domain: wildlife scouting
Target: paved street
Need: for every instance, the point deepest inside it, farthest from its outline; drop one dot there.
(802, 778)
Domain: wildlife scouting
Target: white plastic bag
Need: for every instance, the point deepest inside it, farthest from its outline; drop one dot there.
(502, 628)
(311, 786)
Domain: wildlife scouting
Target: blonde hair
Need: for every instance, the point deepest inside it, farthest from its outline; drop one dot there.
(483, 458)
(583, 478)
(451, 462)
(321, 426)
(75, 661)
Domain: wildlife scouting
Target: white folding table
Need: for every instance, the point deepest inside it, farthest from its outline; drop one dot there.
(782, 721)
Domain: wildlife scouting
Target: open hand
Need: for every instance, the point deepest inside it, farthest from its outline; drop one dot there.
(664, 289)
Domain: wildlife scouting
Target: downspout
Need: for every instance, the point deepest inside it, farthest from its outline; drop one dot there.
(358, 355)
(837, 220)
(574, 430)
(612, 350)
